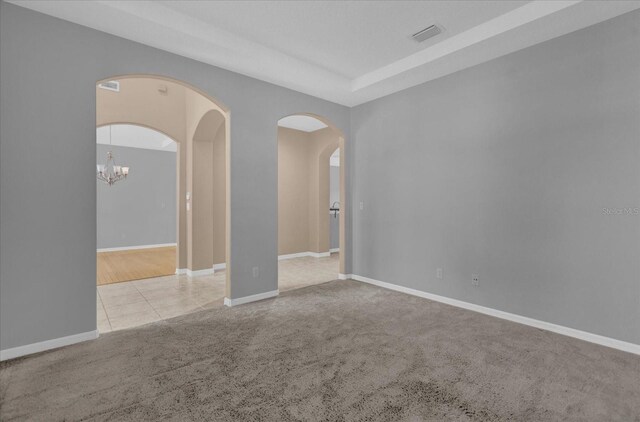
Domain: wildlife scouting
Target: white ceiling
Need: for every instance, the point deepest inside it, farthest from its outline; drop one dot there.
(346, 38)
(135, 137)
(304, 123)
(348, 52)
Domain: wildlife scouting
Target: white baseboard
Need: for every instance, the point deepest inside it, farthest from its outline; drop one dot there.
(559, 329)
(334, 250)
(293, 255)
(252, 298)
(303, 254)
(47, 345)
(128, 248)
(344, 276)
(198, 273)
(206, 271)
(223, 265)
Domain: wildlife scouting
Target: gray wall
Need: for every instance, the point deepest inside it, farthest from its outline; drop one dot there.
(48, 72)
(334, 184)
(503, 170)
(334, 227)
(142, 209)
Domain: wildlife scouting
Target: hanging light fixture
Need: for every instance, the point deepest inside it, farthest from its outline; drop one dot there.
(109, 172)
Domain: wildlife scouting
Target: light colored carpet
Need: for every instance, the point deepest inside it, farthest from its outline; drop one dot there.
(340, 351)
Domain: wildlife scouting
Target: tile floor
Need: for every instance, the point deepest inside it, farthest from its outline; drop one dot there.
(133, 303)
(300, 272)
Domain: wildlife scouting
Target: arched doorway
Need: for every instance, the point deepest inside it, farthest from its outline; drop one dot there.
(199, 125)
(206, 183)
(306, 210)
(136, 221)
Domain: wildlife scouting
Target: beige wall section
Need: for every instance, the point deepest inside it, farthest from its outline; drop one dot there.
(179, 112)
(205, 134)
(202, 219)
(206, 229)
(303, 189)
(140, 102)
(324, 143)
(219, 194)
(293, 191)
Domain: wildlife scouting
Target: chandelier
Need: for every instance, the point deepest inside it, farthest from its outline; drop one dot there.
(109, 172)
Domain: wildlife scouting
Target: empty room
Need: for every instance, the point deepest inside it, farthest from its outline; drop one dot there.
(319, 210)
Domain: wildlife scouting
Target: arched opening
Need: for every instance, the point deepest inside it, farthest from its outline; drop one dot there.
(206, 184)
(136, 221)
(199, 126)
(307, 207)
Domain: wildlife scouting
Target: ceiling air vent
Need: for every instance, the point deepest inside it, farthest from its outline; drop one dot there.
(426, 33)
(110, 86)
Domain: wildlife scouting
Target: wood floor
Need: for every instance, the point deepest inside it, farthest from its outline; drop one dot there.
(135, 264)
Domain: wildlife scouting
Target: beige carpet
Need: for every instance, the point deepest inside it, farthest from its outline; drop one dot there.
(340, 351)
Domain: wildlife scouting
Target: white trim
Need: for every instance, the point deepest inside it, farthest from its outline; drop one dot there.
(128, 248)
(252, 298)
(488, 29)
(334, 250)
(319, 254)
(181, 271)
(218, 267)
(344, 276)
(176, 31)
(303, 254)
(198, 273)
(47, 345)
(293, 255)
(559, 329)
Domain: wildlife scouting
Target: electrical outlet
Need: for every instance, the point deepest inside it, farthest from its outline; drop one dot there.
(475, 279)
(439, 273)
(256, 272)
(361, 205)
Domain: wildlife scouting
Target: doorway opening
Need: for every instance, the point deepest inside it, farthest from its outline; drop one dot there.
(163, 229)
(311, 198)
(136, 219)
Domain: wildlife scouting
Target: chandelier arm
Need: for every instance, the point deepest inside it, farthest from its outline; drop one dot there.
(109, 174)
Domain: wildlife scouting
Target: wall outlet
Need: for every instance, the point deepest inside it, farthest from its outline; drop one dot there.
(256, 272)
(439, 273)
(475, 279)
(361, 205)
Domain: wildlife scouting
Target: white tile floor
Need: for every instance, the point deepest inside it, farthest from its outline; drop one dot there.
(300, 272)
(133, 303)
